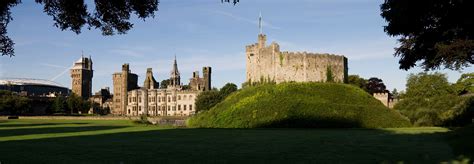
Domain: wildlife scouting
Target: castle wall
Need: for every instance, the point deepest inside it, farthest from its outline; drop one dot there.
(268, 64)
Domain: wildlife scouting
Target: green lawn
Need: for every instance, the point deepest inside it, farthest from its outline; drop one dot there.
(86, 141)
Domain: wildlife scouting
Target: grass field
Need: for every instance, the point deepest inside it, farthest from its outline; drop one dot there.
(87, 141)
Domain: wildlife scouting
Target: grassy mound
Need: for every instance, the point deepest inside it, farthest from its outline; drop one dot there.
(299, 105)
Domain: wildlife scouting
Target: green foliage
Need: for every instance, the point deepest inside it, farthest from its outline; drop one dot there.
(465, 84)
(227, 89)
(427, 85)
(358, 81)
(395, 93)
(76, 104)
(433, 33)
(375, 85)
(59, 105)
(12, 103)
(165, 83)
(441, 110)
(329, 74)
(208, 99)
(299, 105)
(430, 101)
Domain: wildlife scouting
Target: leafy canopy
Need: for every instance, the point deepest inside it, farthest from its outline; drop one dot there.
(427, 85)
(436, 33)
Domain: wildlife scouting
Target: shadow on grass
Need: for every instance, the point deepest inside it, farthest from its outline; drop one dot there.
(27, 131)
(234, 146)
(38, 124)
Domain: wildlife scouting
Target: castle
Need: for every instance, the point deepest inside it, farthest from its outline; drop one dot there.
(81, 74)
(267, 64)
(174, 100)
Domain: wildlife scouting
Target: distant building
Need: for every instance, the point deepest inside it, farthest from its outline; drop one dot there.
(81, 74)
(103, 98)
(33, 87)
(170, 101)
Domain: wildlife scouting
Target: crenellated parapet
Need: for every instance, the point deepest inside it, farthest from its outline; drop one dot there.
(270, 64)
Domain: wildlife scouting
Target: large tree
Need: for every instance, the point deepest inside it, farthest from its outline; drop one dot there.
(110, 16)
(426, 85)
(437, 33)
(375, 85)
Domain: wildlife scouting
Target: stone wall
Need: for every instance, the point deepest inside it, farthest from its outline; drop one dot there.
(268, 64)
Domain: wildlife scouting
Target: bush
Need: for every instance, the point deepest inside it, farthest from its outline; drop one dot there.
(299, 105)
(444, 110)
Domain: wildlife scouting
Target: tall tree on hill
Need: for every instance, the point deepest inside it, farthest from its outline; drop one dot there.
(110, 16)
(358, 81)
(436, 33)
(376, 85)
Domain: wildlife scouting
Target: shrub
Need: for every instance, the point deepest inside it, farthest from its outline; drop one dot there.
(299, 105)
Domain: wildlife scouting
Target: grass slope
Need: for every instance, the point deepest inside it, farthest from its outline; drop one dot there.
(98, 141)
(299, 105)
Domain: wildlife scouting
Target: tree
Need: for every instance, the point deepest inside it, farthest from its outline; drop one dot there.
(395, 93)
(74, 103)
(425, 85)
(227, 89)
(12, 103)
(165, 83)
(110, 16)
(465, 84)
(207, 99)
(436, 33)
(59, 104)
(358, 81)
(375, 85)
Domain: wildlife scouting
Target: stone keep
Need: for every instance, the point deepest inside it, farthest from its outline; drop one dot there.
(268, 64)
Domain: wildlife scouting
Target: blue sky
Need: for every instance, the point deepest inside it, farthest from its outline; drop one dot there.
(208, 33)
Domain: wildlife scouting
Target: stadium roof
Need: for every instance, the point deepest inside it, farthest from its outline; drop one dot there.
(26, 81)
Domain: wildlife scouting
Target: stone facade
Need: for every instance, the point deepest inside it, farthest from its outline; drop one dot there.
(267, 64)
(102, 98)
(123, 82)
(386, 99)
(173, 100)
(81, 74)
(204, 83)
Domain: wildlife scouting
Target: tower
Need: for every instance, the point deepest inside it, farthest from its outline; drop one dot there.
(81, 74)
(207, 78)
(150, 82)
(124, 81)
(175, 79)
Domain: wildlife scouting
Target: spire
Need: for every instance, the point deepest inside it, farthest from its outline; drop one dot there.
(174, 75)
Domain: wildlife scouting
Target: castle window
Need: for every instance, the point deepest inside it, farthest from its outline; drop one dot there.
(139, 100)
(190, 107)
(139, 108)
(251, 54)
(184, 107)
(179, 97)
(179, 107)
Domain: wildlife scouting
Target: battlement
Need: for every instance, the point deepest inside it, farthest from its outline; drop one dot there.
(269, 63)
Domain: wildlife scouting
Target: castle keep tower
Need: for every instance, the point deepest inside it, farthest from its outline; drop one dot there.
(266, 63)
(123, 82)
(201, 84)
(81, 74)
